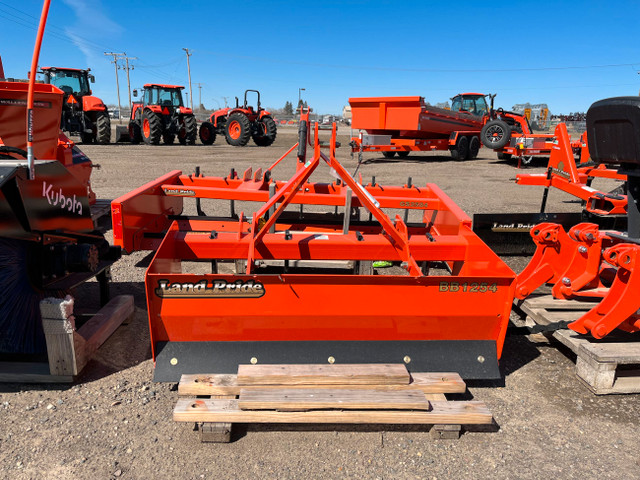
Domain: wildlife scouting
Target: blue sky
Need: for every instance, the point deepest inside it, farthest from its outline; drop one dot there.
(565, 54)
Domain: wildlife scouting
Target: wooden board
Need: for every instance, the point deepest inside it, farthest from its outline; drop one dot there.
(210, 410)
(336, 374)
(548, 302)
(291, 400)
(227, 384)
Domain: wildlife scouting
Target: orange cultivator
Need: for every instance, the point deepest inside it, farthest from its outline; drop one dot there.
(588, 262)
(445, 306)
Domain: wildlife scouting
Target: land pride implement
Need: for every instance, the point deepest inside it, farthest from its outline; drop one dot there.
(292, 281)
(587, 262)
(508, 233)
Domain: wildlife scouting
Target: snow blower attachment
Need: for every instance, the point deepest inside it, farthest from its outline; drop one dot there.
(589, 263)
(304, 290)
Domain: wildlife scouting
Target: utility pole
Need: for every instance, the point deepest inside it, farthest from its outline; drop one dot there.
(127, 68)
(189, 71)
(199, 85)
(117, 56)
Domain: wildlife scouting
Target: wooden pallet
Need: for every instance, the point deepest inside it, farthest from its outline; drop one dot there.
(325, 394)
(68, 349)
(610, 365)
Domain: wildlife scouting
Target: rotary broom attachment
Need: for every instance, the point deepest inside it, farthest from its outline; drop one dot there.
(239, 289)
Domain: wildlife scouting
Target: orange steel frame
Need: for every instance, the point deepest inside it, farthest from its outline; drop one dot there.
(471, 302)
(564, 174)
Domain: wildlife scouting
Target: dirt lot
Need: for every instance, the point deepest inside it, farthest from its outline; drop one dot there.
(115, 423)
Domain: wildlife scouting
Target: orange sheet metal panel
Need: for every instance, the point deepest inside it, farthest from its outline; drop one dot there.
(46, 117)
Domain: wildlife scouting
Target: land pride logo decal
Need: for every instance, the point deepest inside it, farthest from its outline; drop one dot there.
(203, 289)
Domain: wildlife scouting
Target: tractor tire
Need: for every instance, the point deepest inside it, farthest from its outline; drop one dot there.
(504, 156)
(135, 134)
(188, 130)
(151, 128)
(86, 137)
(495, 134)
(403, 154)
(461, 150)
(238, 130)
(474, 147)
(103, 128)
(168, 138)
(207, 133)
(265, 131)
(388, 154)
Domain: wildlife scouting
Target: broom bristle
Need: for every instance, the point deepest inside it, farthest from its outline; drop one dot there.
(20, 320)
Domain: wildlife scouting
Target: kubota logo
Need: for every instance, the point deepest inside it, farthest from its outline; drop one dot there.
(202, 289)
(56, 198)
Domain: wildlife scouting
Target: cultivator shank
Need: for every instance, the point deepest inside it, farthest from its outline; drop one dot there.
(443, 306)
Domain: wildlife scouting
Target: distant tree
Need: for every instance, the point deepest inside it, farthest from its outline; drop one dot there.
(288, 108)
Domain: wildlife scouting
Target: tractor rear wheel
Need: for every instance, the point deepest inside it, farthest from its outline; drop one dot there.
(151, 128)
(188, 130)
(474, 147)
(207, 133)
(265, 131)
(238, 130)
(495, 134)
(168, 138)
(103, 128)
(461, 150)
(388, 154)
(86, 137)
(135, 134)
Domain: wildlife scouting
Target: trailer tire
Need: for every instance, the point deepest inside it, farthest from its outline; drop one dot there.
(474, 147)
(461, 150)
(388, 154)
(265, 131)
(504, 156)
(135, 135)
(238, 131)
(207, 133)
(495, 134)
(151, 128)
(403, 154)
(103, 127)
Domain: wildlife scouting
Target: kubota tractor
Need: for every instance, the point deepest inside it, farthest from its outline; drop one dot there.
(82, 113)
(162, 115)
(240, 123)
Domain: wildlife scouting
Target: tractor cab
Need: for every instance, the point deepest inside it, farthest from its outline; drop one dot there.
(71, 81)
(473, 103)
(163, 95)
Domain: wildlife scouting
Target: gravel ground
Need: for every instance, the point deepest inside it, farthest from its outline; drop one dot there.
(116, 423)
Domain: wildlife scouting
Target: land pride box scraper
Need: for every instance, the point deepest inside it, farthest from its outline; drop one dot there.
(444, 307)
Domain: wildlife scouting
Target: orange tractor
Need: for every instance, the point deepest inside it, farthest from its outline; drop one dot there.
(240, 123)
(160, 115)
(82, 113)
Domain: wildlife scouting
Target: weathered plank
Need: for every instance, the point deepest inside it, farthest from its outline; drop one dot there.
(457, 413)
(216, 432)
(314, 374)
(227, 384)
(291, 400)
(548, 302)
(102, 325)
